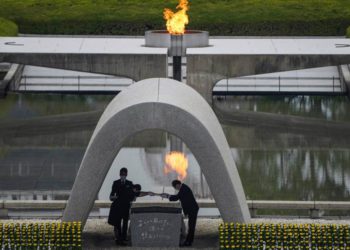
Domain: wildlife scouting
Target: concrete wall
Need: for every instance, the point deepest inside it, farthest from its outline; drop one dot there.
(135, 66)
(12, 79)
(15, 79)
(344, 71)
(4, 67)
(3, 88)
(205, 70)
(171, 106)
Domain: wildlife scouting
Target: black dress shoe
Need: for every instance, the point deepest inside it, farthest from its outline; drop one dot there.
(120, 243)
(186, 244)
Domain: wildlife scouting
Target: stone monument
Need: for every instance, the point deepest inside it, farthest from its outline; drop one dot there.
(169, 105)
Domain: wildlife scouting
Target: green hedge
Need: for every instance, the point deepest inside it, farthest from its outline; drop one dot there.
(348, 32)
(316, 28)
(34, 236)
(236, 236)
(220, 17)
(8, 28)
(87, 27)
(297, 28)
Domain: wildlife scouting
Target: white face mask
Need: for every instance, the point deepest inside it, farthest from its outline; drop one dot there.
(123, 177)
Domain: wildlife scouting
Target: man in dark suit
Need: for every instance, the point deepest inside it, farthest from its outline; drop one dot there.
(189, 207)
(122, 195)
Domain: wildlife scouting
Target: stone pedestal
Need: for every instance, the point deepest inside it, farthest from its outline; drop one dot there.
(155, 226)
(177, 44)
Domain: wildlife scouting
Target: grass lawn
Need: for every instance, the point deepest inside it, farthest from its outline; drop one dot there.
(220, 17)
(7, 28)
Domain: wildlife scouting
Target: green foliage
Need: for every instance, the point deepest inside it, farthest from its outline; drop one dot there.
(65, 235)
(220, 17)
(348, 32)
(8, 28)
(3, 152)
(283, 236)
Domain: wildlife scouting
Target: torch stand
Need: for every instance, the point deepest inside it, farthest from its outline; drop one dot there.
(176, 51)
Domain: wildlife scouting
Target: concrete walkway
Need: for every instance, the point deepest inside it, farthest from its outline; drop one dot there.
(99, 235)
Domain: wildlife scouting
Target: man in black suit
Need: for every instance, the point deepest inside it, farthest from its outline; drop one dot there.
(189, 207)
(122, 195)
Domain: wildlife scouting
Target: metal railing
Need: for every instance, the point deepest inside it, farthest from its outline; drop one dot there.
(101, 81)
(278, 84)
(281, 84)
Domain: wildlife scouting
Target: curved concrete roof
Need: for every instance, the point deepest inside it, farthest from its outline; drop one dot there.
(165, 104)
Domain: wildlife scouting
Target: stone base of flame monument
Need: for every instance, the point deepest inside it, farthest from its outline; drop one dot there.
(155, 226)
(177, 44)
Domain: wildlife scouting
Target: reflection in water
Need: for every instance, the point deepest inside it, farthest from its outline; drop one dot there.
(271, 165)
(291, 174)
(334, 108)
(45, 171)
(18, 106)
(295, 174)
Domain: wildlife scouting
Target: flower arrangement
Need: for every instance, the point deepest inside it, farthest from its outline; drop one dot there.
(30, 236)
(238, 236)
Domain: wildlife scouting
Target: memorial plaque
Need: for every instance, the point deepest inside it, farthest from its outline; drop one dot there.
(155, 226)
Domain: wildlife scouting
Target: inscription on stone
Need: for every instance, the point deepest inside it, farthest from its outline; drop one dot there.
(155, 229)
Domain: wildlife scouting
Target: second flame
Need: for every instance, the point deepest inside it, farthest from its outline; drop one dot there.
(176, 162)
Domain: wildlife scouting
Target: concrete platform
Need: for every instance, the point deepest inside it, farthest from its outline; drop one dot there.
(274, 46)
(77, 45)
(98, 234)
(126, 57)
(230, 58)
(224, 58)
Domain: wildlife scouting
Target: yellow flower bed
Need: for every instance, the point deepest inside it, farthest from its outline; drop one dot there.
(30, 236)
(263, 236)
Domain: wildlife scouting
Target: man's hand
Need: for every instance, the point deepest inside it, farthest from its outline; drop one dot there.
(164, 195)
(113, 197)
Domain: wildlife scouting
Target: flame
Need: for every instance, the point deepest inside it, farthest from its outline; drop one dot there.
(176, 22)
(177, 162)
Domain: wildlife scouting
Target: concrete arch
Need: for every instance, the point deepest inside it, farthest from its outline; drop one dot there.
(165, 104)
